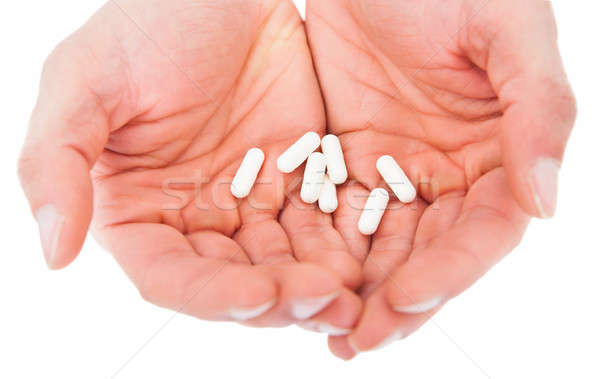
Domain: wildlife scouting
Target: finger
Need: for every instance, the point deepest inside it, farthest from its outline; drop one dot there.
(264, 240)
(489, 227)
(439, 264)
(339, 346)
(339, 318)
(438, 218)
(391, 247)
(315, 240)
(402, 228)
(168, 272)
(68, 130)
(392, 243)
(261, 235)
(380, 325)
(304, 291)
(428, 169)
(351, 199)
(516, 43)
(215, 245)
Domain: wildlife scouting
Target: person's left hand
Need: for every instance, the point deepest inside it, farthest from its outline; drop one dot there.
(471, 99)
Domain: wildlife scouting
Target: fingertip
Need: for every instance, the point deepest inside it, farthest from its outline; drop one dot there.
(307, 307)
(535, 131)
(349, 270)
(59, 191)
(304, 289)
(340, 347)
(253, 290)
(401, 296)
(339, 318)
(50, 224)
(243, 314)
(543, 185)
(417, 307)
(534, 184)
(384, 341)
(324, 281)
(60, 238)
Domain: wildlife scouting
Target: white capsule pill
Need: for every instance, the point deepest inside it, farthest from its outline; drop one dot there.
(296, 154)
(336, 167)
(373, 211)
(328, 202)
(396, 178)
(246, 175)
(313, 178)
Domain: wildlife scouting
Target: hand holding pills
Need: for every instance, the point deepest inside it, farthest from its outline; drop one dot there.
(183, 136)
(471, 101)
(435, 153)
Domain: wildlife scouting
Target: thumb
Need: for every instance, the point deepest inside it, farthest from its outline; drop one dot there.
(516, 43)
(68, 130)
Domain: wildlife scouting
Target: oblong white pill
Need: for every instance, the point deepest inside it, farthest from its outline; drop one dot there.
(395, 177)
(296, 154)
(336, 166)
(328, 201)
(244, 178)
(313, 178)
(373, 211)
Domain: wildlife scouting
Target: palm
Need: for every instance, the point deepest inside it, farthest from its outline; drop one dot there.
(394, 84)
(163, 99)
(190, 113)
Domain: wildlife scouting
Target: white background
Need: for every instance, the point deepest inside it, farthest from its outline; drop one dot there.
(536, 314)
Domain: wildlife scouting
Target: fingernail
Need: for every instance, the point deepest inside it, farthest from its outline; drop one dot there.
(422, 307)
(391, 338)
(544, 185)
(353, 345)
(323, 327)
(395, 336)
(244, 314)
(50, 224)
(306, 308)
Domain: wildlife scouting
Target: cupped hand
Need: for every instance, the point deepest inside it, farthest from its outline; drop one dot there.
(160, 101)
(471, 99)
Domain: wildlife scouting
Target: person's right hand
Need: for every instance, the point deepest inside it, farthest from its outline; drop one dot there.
(161, 100)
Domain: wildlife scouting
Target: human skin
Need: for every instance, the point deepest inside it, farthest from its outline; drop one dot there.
(144, 115)
(471, 99)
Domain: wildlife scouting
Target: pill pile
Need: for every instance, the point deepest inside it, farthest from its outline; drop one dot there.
(323, 171)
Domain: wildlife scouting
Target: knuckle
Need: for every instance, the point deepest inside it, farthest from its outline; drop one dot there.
(566, 106)
(155, 290)
(54, 60)
(146, 289)
(67, 65)
(27, 169)
(156, 287)
(150, 284)
(562, 102)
